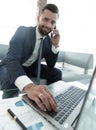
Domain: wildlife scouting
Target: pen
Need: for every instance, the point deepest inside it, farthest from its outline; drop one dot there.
(16, 119)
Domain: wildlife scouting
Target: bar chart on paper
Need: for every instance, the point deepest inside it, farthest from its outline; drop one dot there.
(31, 119)
(37, 126)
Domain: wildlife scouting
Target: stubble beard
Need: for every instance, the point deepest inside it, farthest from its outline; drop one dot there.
(42, 31)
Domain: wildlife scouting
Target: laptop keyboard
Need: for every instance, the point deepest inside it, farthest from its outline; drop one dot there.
(66, 102)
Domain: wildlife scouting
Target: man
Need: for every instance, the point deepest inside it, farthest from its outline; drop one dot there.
(22, 57)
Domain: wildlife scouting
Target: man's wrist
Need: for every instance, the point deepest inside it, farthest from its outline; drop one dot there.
(55, 50)
(28, 87)
(22, 81)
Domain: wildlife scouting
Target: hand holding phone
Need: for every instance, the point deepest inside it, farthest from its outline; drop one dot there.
(53, 32)
(55, 37)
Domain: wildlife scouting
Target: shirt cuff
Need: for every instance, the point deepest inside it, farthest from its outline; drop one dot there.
(22, 81)
(54, 50)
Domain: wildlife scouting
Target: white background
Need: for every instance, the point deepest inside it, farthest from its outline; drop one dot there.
(77, 22)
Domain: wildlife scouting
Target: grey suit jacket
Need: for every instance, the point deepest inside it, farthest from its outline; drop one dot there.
(21, 48)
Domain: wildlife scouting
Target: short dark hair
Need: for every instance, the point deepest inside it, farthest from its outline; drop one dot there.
(52, 7)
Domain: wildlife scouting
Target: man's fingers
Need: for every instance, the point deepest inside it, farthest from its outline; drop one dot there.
(47, 90)
(52, 102)
(44, 99)
(40, 104)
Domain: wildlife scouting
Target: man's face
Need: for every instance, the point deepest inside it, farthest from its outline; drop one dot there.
(47, 22)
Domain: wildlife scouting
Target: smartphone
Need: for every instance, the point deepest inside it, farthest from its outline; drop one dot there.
(52, 33)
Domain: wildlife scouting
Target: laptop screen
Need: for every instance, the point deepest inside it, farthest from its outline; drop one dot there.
(87, 119)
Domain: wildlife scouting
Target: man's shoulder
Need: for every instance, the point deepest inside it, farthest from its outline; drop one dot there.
(25, 28)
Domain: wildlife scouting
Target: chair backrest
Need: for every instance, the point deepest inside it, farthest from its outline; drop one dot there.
(83, 60)
(3, 50)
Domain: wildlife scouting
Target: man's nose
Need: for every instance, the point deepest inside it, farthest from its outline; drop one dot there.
(49, 25)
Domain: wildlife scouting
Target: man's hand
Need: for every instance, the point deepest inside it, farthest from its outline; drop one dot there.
(41, 96)
(55, 38)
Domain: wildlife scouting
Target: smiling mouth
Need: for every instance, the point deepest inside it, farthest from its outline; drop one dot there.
(46, 29)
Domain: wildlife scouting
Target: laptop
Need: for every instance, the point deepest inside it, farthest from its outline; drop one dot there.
(69, 99)
(87, 117)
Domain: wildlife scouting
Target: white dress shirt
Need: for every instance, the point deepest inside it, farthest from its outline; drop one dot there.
(24, 80)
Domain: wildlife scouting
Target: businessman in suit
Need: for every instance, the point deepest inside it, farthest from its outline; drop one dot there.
(21, 60)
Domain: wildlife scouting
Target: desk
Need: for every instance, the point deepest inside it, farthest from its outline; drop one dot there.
(31, 119)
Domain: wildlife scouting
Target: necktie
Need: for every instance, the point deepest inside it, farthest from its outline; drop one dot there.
(39, 62)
